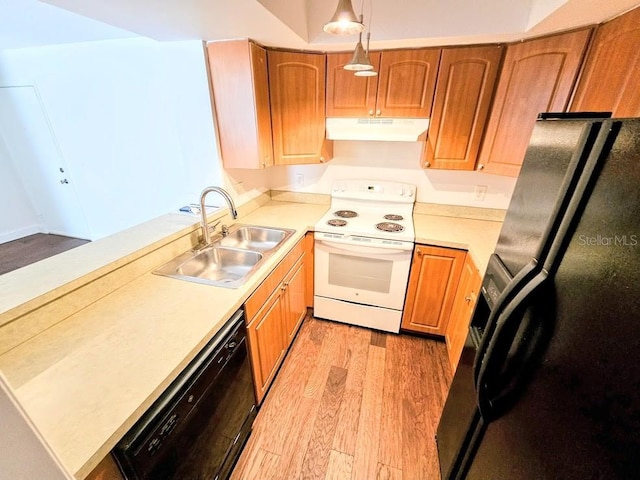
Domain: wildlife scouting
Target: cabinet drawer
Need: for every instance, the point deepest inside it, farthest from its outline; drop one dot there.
(255, 302)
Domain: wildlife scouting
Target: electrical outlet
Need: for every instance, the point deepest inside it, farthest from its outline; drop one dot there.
(479, 192)
(299, 180)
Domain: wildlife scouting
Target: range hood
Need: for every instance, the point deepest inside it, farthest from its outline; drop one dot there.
(382, 129)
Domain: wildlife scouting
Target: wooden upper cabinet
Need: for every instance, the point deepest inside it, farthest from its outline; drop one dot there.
(465, 87)
(297, 93)
(406, 82)
(610, 81)
(241, 98)
(537, 76)
(348, 95)
(403, 88)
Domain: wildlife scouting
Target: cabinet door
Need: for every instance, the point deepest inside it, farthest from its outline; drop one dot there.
(407, 82)
(308, 266)
(435, 273)
(537, 76)
(348, 95)
(463, 305)
(610, 81)
(239, 82)
(107, 469)
(266, 341)
(297, 93)
(466, 82)
(295, 305)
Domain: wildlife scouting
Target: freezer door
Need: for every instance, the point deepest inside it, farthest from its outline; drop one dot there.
(555, 156)
(571, 410)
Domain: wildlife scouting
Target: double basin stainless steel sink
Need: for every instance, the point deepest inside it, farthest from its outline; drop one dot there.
(229, 260)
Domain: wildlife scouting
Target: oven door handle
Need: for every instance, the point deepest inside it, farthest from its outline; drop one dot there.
(360, 250)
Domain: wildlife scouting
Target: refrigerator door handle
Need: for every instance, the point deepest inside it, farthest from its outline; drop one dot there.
(500, 370)
(523, 277)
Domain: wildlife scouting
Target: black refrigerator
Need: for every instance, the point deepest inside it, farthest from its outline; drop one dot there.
(548, 385)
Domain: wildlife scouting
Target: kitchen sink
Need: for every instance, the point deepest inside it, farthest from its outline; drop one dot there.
(229, 260)
(254, 238)
(213, 265)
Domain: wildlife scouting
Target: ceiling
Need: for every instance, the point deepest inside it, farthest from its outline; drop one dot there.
(295, 23)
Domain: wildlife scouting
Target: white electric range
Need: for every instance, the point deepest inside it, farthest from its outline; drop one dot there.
(363, 248)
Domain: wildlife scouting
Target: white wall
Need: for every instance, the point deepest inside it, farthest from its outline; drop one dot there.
(132, 119)
(18, 218)
(397, 161)
(24, 454)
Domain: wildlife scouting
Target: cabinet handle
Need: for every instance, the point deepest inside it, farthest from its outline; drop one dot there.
(371, 113)
(418, 252)
(467, 298)
(378, 112)
(427, 164)
(321, 159)
(480, 167)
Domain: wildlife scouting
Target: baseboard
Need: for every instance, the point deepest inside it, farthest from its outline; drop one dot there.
(23, 232)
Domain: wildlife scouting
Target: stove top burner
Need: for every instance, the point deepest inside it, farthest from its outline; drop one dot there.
(394, 217)
(336, 222)
(389, 227)
(345, 214)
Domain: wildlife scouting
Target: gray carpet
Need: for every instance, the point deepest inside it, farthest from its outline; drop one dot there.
(28, 250)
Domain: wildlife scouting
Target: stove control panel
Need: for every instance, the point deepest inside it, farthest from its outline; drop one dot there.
(374, 190)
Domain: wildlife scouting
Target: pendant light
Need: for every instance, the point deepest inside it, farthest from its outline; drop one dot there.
(344, 21)
(369, 72)
(360, 60)
(360, 63)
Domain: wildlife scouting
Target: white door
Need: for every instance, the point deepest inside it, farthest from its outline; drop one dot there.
(34, 151)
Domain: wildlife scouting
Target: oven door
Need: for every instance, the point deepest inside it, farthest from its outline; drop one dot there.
(368, 275)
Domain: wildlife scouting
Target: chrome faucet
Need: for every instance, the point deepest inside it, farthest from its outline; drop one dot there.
(206, 235)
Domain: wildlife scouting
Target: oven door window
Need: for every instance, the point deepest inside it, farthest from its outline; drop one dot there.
(369, 274)
(360, 274)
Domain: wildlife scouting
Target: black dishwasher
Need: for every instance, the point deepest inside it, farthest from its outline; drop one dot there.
(197, 428)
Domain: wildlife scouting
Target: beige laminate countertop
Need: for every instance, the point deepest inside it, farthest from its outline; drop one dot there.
(85, 381)
(479, 237)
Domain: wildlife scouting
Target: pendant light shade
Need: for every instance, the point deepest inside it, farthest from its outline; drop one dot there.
(366, 73)
(360, 60)
(344, 21)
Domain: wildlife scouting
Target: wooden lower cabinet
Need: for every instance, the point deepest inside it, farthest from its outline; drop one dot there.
(309, 266)
(107, 469)
(266, 338)
(274, 314)
(295, 305)
(434, 277)
(463, 306)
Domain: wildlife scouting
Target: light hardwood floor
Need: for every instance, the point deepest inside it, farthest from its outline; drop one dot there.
(350, 403)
